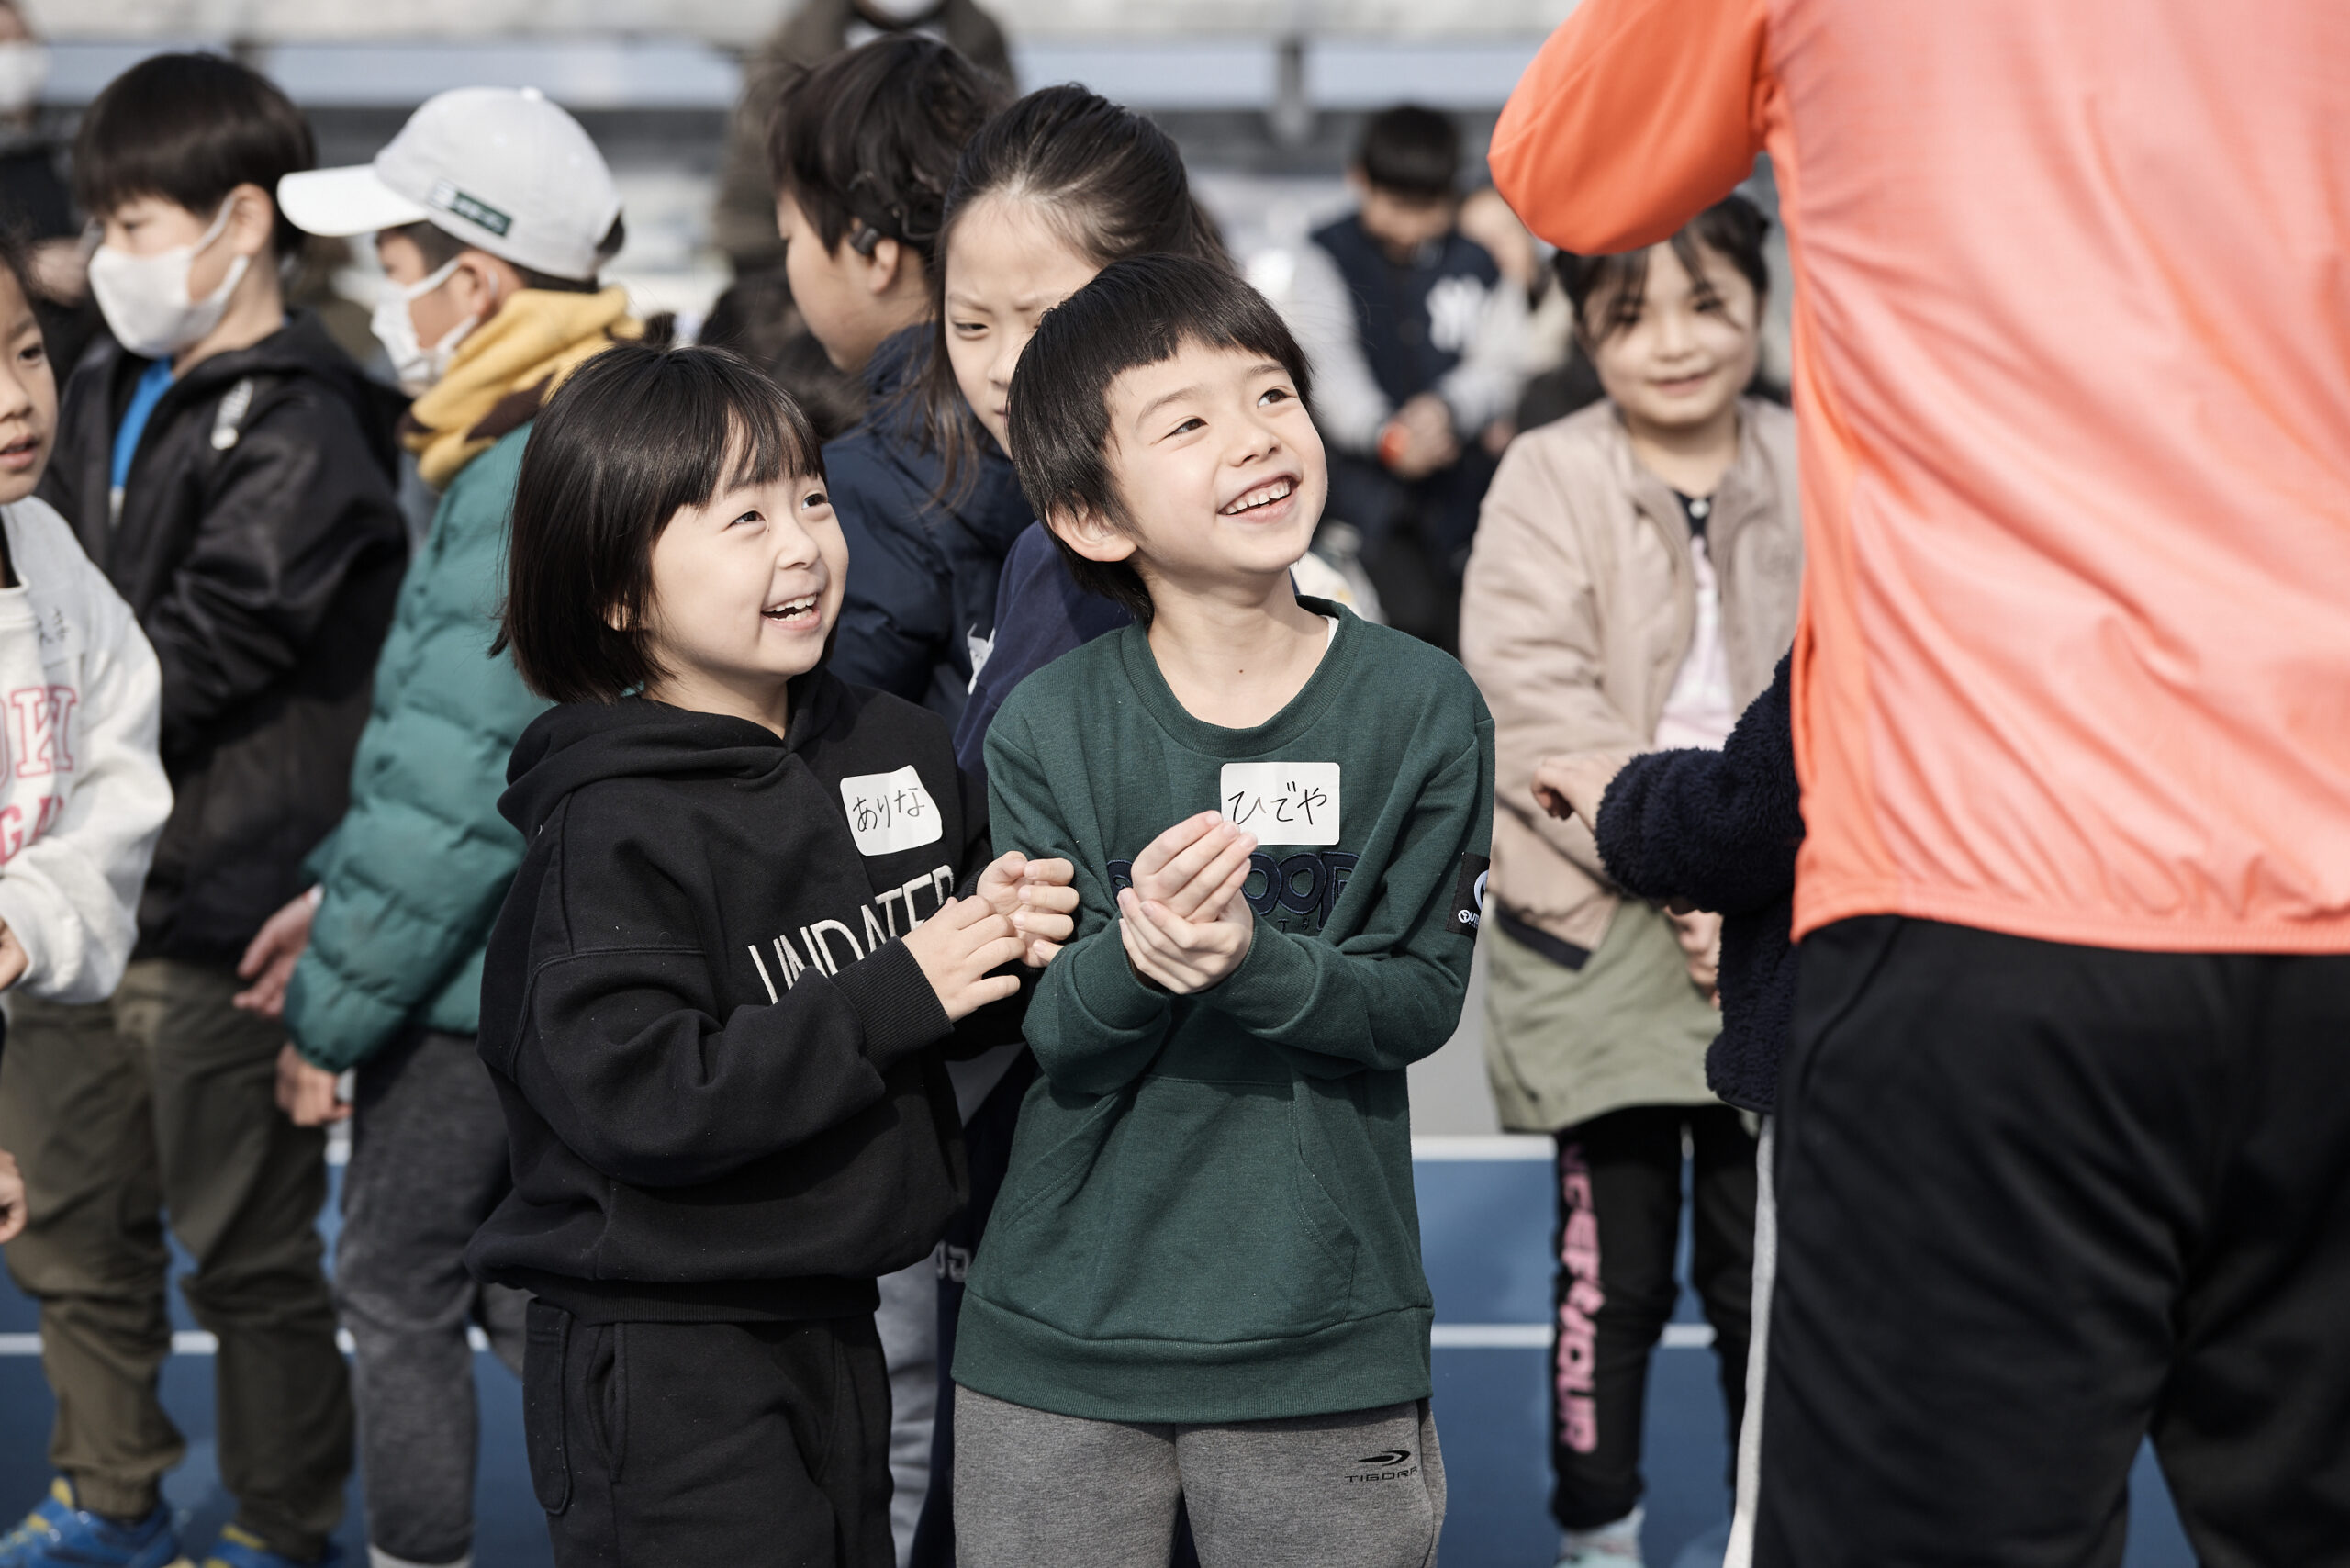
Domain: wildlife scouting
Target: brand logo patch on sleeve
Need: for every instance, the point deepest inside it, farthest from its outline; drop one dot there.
(891, 812)
(1469, 894)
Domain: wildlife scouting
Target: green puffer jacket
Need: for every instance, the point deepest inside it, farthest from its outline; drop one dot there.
(413, 878)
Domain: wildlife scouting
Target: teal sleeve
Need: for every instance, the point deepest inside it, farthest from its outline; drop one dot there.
(1389, 993)
(1093, 1022)
(413, 878)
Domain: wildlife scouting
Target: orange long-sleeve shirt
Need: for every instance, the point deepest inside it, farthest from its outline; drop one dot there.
(2071, 369)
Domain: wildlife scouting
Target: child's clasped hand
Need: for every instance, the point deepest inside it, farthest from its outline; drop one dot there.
(1037, 897)
(1185, 925)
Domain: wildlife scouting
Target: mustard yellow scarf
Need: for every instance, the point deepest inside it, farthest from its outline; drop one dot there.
(505, 369)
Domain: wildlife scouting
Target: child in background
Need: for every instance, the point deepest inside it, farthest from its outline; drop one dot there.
(232, 473)
(81, 805)
(491, 211)
(1056, 188)
(1634, 582)
(1416, 336)
(864, 148)
(715, 1001)
(1203, 1281)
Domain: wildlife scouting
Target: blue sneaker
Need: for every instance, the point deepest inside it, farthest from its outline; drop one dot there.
(60, 1533)
(240, 1548)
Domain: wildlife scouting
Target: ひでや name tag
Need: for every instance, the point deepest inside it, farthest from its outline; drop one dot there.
(890, 812)
(1283, 803)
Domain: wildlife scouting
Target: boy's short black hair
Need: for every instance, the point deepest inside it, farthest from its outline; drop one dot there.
(1412, 151)
(439, 248)
(190, 129)
(1137, 312)
(866, 142)
(637, 435)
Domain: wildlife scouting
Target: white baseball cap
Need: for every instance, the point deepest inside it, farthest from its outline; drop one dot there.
(499, 168)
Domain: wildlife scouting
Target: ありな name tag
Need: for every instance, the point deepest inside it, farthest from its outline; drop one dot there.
(890, 812)
(1283, 803)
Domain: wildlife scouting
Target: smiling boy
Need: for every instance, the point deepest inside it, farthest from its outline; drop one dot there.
(1202, 1279)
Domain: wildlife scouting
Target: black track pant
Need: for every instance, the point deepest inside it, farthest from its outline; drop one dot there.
(2035, 1202)
(684, 1445)
(1619, 1219)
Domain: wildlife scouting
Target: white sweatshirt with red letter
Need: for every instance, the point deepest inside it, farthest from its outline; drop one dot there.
(83, 794)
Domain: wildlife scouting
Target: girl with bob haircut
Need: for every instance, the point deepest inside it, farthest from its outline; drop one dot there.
(1632, 586)
(756, 915)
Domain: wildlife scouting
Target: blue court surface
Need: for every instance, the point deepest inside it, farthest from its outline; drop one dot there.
(1485, 1220)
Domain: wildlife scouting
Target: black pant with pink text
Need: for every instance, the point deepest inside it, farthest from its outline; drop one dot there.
(1619, 1189)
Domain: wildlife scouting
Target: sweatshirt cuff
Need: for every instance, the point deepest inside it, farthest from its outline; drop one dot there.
(1273, 984)
(1107, 987)
(21, 913)
(893, 1000)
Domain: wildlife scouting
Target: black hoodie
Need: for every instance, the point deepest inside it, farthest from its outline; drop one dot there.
(716, 1059)
(260, 544)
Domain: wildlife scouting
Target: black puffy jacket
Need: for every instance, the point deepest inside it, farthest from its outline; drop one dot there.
(261, 546)
(1720, 829)
(924, 556)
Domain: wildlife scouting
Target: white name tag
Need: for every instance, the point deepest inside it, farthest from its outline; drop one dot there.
(1283, 803)
(890, 812)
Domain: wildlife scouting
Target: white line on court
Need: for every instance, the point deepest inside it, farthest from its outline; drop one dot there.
(1536, 1336)
(1445, 1336)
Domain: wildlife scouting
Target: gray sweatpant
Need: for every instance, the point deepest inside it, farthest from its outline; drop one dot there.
(428, 1163)
(1364, 1489)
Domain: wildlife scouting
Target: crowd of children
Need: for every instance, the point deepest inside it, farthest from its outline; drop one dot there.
(978, 868)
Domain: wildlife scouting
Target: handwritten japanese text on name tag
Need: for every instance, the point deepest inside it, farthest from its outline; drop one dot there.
(1283, 803)
(890, 812)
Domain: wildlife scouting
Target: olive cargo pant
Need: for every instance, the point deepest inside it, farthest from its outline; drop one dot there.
(163, 1100)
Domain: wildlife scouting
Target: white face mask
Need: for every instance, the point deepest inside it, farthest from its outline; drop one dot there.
(899, 11)
(24, 72)
(416, 366)
(145, 298)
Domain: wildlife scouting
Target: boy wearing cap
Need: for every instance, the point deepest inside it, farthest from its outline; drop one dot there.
(232, 473)
(492, 213)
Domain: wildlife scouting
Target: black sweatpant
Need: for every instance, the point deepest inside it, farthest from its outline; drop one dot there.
(1620, 1223)
(2035, 1202)
(680, 1445)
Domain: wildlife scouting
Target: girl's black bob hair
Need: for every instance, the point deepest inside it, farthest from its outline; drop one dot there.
(1733, 228)
(636, 435)
(1134, 313)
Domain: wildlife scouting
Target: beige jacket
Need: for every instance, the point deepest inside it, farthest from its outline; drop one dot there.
(1579, 608)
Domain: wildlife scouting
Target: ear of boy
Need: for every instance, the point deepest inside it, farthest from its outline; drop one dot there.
(1091, 533)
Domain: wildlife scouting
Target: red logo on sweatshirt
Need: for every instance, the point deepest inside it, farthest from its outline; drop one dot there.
(44, 714)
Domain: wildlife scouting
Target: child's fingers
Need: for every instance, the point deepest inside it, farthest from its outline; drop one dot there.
(991, 988)
(997, 952)
(959, 914)
(1049, 872)
(1180, 867)
(1051, 900)
(1173, 842)
(1033, 923)
(1202, 892)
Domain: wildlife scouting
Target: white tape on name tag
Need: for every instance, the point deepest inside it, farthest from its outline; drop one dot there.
(891, 812)
(1283, 803)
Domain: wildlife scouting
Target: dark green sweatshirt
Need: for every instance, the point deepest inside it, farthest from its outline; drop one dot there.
(1209, 1215)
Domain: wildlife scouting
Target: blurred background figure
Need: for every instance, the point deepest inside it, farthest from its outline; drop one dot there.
(1416, 335)
(756, 315)
(36, 200)
(743, 221)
